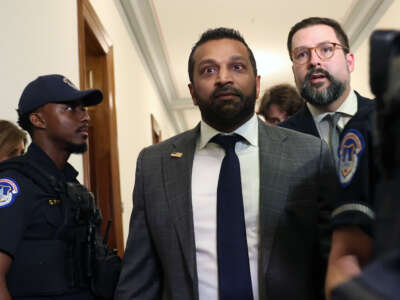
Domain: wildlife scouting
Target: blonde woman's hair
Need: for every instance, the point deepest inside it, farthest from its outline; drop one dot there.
(10, 138)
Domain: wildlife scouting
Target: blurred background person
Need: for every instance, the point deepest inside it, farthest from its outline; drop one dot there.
(12, 140)
(279, 102)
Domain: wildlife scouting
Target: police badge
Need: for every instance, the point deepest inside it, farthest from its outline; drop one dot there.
(8, 191)
(351, 148)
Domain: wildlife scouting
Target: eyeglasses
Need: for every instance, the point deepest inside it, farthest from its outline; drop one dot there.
(302, 55)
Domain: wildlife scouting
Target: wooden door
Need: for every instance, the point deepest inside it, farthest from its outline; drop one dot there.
(101, 165)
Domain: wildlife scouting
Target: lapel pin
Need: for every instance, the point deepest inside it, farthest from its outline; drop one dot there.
(176, 154)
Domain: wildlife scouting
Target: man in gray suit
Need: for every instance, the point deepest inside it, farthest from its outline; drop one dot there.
(173, 243)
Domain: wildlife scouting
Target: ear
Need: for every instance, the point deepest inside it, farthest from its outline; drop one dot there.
(193, 94)
(37, 120)
(350, 61)
(258, 80)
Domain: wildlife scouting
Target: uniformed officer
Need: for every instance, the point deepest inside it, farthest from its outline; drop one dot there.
(33, 253)
(367, 232)
(354, 214)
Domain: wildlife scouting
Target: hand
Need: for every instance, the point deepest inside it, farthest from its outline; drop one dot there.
(344, 269)
(5, 263)
(351, 250)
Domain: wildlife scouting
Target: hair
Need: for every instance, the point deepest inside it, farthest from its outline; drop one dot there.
(283, 95)
(219, 34)
(10, 138)
(340, 34)
(25, 123)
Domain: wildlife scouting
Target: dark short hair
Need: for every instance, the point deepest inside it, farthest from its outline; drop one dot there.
(25, 123)
(340, 34)
(219, 34)
(283, 95)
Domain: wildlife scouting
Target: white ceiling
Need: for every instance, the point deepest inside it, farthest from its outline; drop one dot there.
(165, 31)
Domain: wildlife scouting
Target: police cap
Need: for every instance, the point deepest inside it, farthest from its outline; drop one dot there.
(54, 88)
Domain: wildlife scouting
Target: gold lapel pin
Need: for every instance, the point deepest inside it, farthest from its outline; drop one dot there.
(177, 154)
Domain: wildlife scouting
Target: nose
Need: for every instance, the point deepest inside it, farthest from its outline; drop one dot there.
(314, 58)
(85, 115)
(224, 76)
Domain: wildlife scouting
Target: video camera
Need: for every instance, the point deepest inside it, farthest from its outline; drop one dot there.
(385, 84)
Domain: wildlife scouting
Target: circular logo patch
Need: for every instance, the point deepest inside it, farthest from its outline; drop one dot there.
(351, 148)
(8, 191)
(67, 81)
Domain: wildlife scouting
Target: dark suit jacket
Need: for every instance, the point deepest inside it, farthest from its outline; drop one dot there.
(303, 120)
(295, 204)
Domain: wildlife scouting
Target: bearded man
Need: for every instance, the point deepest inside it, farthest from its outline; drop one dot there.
(234, 208)
(322, 63)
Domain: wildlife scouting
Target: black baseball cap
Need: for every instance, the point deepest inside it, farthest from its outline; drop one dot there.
(54, 88)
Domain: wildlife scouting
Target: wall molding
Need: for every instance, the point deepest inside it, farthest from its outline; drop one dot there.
(362, 19)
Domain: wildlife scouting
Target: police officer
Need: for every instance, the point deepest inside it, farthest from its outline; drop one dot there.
(34, 258)
(354, 214)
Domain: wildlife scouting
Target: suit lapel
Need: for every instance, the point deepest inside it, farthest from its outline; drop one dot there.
(178, 177)
(364, 106)
(308, 123)
(272, 198)
(302, 121)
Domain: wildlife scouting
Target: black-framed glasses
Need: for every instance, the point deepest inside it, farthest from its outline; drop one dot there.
(302, 55)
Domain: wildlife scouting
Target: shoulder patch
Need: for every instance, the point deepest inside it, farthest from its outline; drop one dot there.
(9, 190)
(350, 150)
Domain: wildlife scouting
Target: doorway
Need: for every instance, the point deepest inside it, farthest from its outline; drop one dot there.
(100, 163)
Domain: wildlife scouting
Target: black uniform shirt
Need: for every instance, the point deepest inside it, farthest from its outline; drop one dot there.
(27, 212)
(356, 174)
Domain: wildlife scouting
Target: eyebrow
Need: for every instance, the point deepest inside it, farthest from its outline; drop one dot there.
(326, 41)
(213, 61)
(72, 103)
(238, 57)
(207, 61)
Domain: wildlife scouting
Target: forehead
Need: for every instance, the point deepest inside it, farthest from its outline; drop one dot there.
(72, 103)
(220, 50)
(313, 35)
(275, 109)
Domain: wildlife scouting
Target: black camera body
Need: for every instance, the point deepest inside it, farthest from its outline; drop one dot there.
(385, 84)
(381, 278)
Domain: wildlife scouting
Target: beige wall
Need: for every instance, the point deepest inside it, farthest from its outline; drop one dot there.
(360, 77)
(40, 37)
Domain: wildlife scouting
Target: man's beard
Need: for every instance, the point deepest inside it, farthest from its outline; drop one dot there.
(225, 114)
(77, 148)
(324, 96)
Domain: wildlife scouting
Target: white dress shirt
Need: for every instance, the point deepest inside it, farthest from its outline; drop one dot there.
(206, 167)
(348, 109)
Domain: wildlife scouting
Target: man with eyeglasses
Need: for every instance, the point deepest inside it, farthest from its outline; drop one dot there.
(322, 63)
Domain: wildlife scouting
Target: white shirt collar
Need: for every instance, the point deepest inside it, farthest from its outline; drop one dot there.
(348, 108)
(248, 130)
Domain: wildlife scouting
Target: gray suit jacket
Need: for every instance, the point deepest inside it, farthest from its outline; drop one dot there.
(296, 192)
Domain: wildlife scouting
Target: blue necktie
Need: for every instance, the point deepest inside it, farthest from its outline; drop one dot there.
(233, 258)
